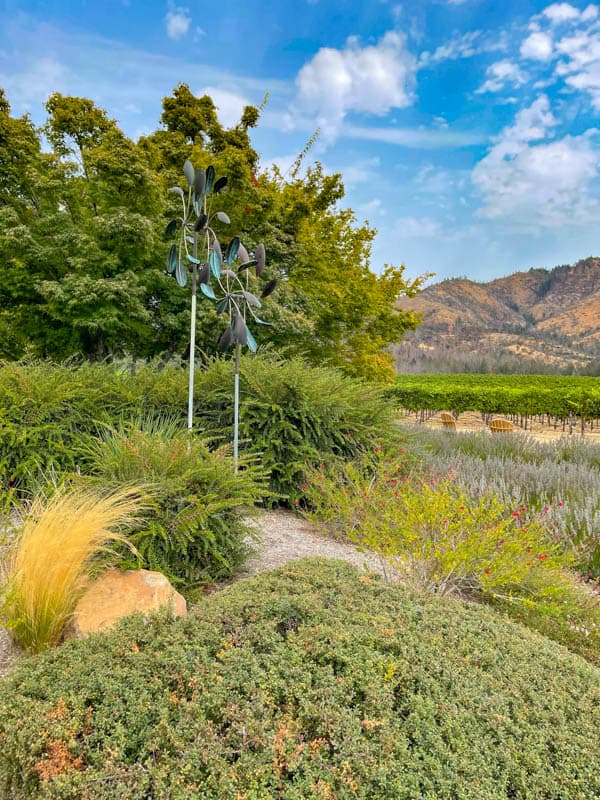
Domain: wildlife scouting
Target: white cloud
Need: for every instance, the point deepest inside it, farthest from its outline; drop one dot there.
(360, 171)
(36, 82)
(230, 105)
(561, 12)
(436, 184)
(590, 13)
(177, 22)
(418, 227)
(459, 46)
(426, 137)
(537, 46)
(465, 45)
(371, 209)
(500, 74)
(372, 79)
(581, 67)
(537, 184)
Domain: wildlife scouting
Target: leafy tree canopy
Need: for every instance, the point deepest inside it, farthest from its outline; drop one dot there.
(82, 244)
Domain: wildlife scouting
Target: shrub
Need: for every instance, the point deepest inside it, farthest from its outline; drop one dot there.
(442, 541)
(313, 681)
(47, 568)
(294, 414)
(290, 412)
(196, 528)
(46, 409)
(558, 483)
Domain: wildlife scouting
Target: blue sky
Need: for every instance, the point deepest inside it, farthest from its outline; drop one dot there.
(465, 129)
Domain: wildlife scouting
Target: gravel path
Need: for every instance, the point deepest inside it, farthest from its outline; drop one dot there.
(284, 537)
(7, 652)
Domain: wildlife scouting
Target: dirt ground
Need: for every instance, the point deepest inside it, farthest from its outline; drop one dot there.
(472, 421)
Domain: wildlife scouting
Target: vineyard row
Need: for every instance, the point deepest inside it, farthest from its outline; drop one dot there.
(556, 400)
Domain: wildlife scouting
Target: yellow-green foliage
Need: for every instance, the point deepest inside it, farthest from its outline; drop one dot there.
(441, 542)
(47, 569)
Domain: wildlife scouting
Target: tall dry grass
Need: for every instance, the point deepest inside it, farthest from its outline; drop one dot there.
(48, 568)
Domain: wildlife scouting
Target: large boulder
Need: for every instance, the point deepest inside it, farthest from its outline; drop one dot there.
(116, 594)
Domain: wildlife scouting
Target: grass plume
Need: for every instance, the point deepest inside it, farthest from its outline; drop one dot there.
(48, 567)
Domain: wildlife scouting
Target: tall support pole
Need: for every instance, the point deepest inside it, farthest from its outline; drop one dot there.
(192, 341)
(236, 408)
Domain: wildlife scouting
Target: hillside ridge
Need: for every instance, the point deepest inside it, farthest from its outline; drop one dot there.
(544, 318)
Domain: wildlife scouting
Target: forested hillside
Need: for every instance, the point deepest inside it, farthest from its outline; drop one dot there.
(83, 211)
(536, 321)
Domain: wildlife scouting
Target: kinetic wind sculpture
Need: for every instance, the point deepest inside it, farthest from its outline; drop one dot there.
(232, 296)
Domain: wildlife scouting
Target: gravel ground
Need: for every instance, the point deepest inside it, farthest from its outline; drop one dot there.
(7, 652)
(284, 537)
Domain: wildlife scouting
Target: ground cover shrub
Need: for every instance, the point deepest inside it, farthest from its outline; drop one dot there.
(294, 414)
(196, 525)
(313, 681)
(557, 483)
(442, 541)
(47, 567)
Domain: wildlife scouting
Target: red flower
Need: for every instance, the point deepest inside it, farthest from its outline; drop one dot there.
(515, 514)
(462, 508)
(445, 522)
(486, 571)
(561, 504)
(546, 509)
(542, 556)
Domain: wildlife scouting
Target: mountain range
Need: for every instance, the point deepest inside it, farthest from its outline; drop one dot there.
(541, 320)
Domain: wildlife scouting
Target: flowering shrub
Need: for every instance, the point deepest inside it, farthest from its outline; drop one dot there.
(441, 541)
(555, 483)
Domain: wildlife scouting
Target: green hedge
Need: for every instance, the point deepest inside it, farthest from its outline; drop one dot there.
(309, 682)
(293, 414)
(290, 412)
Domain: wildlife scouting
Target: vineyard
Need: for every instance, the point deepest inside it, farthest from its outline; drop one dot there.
(558, 400)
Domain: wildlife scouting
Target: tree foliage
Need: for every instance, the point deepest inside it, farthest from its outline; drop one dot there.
(82, 243)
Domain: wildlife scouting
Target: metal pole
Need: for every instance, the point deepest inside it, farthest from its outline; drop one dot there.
(236, 408)
(192, 341)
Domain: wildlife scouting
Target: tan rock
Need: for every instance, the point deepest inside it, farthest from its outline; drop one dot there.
(116, 594)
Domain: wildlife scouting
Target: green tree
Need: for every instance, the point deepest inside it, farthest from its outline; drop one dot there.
(82, 243)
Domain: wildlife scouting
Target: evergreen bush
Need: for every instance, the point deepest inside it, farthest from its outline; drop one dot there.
(196, 528)
(313, 681)
(294, 414)
(290, 412)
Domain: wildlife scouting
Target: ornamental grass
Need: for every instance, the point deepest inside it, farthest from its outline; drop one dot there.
(48, 567)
